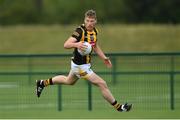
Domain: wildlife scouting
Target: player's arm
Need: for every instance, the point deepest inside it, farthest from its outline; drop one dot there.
(73, 41)
(101, 54)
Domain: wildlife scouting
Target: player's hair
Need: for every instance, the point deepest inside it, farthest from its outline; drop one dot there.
(90, 13)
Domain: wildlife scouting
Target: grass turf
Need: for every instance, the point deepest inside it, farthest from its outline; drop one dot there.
(150, 94)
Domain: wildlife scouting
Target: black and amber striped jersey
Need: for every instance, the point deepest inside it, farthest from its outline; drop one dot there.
(81, 34)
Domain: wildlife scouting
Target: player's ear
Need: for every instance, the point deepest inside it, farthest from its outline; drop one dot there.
(84, 20)
(95, 20)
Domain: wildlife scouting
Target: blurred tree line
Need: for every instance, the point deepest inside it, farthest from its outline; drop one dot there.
(72, 11)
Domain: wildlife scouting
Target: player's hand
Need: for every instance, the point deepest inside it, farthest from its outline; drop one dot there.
(107, 62)
(81, 46)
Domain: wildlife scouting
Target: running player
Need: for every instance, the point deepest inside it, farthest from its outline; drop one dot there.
(81, 65)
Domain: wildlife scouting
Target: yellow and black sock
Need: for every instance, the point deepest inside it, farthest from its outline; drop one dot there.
(116, 105)
(48, 82)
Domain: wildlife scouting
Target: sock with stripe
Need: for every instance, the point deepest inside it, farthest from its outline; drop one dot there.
(48, 82)
(117, 105)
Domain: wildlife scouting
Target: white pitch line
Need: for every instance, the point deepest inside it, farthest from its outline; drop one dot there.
(8, 85)
(27, 106)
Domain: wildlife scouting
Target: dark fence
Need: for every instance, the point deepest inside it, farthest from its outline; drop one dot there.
(148, 80)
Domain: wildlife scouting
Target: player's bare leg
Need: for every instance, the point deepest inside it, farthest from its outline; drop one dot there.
(60, 79)
(106, 93)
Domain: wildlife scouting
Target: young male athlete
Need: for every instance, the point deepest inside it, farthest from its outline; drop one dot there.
(80, 65)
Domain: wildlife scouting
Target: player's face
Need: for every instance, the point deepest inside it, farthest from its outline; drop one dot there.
(90, 23)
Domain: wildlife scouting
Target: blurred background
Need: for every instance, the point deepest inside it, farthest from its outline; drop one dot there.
(137, 26)
(142, 37)
(68, 12)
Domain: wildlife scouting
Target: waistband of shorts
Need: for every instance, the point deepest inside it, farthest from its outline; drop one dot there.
(72, 62)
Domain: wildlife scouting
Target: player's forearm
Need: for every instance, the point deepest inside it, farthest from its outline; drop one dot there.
(71, 43)
(100, 53)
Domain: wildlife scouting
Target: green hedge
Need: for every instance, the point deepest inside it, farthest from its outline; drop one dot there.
(65, 11)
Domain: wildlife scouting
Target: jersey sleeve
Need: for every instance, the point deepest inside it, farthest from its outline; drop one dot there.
(77, 34)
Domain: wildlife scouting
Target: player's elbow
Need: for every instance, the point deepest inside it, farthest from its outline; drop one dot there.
(69, 43)
(66, 46)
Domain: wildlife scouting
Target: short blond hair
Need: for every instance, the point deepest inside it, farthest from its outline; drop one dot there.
(90, 13)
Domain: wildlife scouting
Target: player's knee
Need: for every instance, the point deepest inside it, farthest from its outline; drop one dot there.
(102, 84)
(69, 82)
